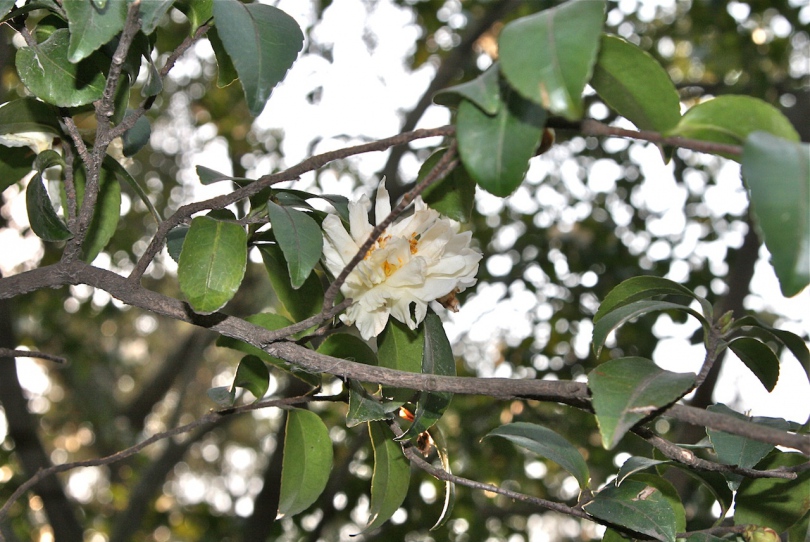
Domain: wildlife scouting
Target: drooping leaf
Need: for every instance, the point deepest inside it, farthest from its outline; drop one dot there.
(619, 316)
(737, 450)
(627, 390)
(549, 56)
(41, 214)
(637, 464)
(226, 71)
(669, 493)
(91, 26)
(759, 358)
(777, 173)
(151, 12)
(774, 502)
(400, 348)
(713, 482)
(449, 487)
(437, 359)
(306, 463)
(154, 84)
(635, 85)
(212, 263)
(548, 444)
(15, 163)
(28, 115)
(752, 325)
(174, 241)
(483, 91)
(50, 76)
(106, 214)
(252, 374)
(363, 407)
(454, 195)
(123, 176)
(636, 506)
(301, 303)
(390, 478)
(262, 41)
(731, 119)
(495, 150)
(137, 137)
(300, 239)
(645, 287)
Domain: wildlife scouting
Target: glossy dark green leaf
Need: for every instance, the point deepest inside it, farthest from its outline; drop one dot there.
(636, 506)
(759, 358)
(637, 464)
(363, 407)
(437, 359)
(226, 71)
(750, 325)
(15, 163)
(627, 390)
(548, 444)
(549, 56)
(340, 203)
(209, 176)
(453, 196)
(48, 158)
(106, 214)
(495, 150)
(151, 12)
(198, 12)
(390, 478)
(619, 316)
(774, 502)
(252, 374)
(737, 450)
(344, 346)
(262, 41)
(731, 119)
(400, 348)
(300, 239)
(713, 482)
(212, 263)
(777, 173)
(449, 487)
(28, 115)
(645, 287)
(91, 26)
(670, 494)
(633, 83)
(50, 76)
(137, 137)
(306, 463)
(41, 214)
(174, 241)
(301, 303)
(483, 91)
(123, 176)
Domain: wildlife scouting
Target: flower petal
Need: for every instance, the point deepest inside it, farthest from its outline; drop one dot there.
(383, 204)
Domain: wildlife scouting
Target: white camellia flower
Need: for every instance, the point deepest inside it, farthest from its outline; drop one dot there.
(418, 259)
(37, 141)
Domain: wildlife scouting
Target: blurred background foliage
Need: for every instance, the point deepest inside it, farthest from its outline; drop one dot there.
(588, 217)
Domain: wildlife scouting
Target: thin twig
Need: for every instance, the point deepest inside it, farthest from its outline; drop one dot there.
(9, 353)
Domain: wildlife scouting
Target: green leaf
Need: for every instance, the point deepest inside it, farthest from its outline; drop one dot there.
(154, 84)
(174, 241)
(549, 57)
(344, 346)
(635, 85)
(670, 494)
(644, 287)
(437, 359)
(105, 215)
(222, 396)
(41, 214)
(774, 502)
(363, 407)
(453, 196)
(636, 506)
(5, 7)
(340, 203)
(111, 164)
(737, 450)
(791, 341)
(137, 137)
(209, 176)
(715, 483)
(548, 444)
(300, 239)
(800, 532)
(28, 115)
(759, 358)
(495, 150)
(212, 263)
(151, 12)
(226, 71)
(48, 158)
(449, 487)
(15, 163)
(262, 41)
(306, 463)
(483, 91)
(637, 464)
(400, 348)
(197, 11)
(390, 479)
(252, 374)
(91, 26)
(731, 119)
(704, 537)
(301, 303)
(777, 173)
(50, 76)
(628, 390)
(622, 314)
